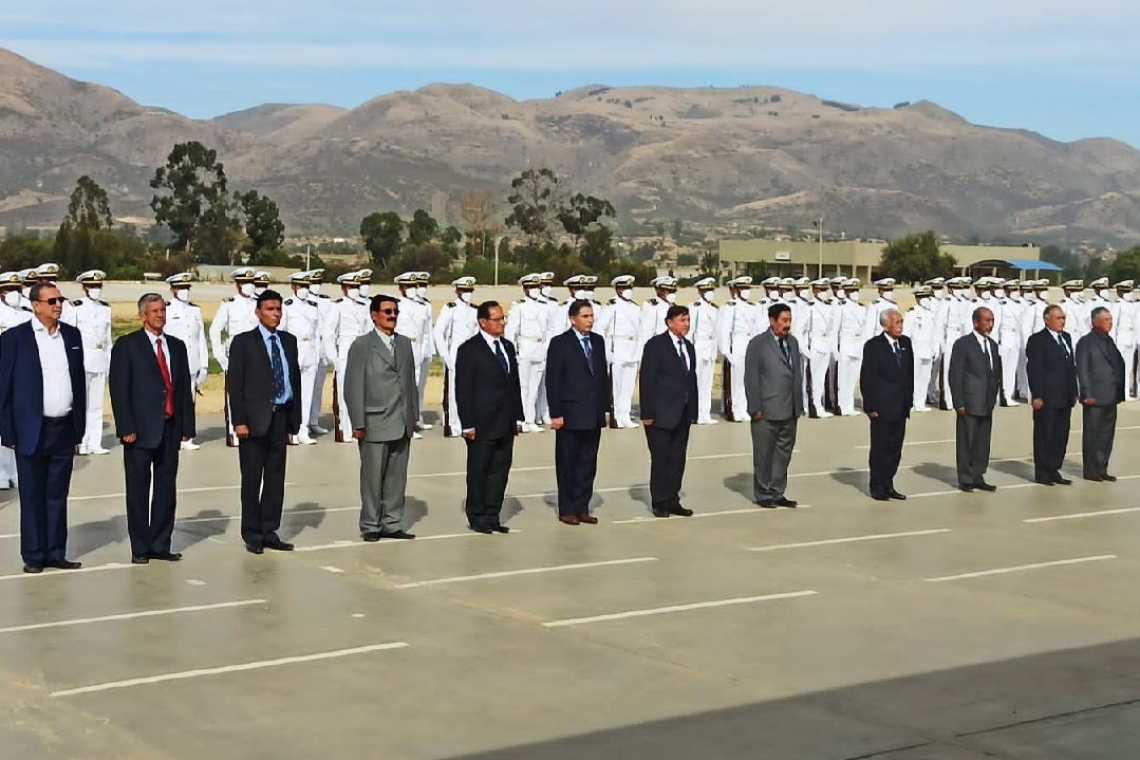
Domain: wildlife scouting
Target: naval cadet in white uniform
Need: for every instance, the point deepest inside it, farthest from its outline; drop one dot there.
(528, 328)
(301, 317)
(703, 314)
(456, 324)
(92, 316)
(184, 321)
(12, 313)
(345, 324)
(324, 306)
(654, 308)
(622, 333)
(235, 315)
(736, 326)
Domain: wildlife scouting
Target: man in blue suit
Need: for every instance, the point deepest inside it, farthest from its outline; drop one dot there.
(43, 414)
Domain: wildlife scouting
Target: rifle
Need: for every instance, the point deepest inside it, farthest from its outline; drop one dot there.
(446, 404)
(726, 390)
(338, 434)
(231, 439)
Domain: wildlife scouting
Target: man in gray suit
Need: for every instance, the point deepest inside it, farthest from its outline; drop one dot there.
(1100, 378)
(382, 400)
(772, 385)
(975, 377)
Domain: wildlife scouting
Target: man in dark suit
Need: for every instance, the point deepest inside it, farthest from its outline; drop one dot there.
(264, 385)
(668, 393)
(1100, 377)
(153, 404)
(1052, 371)
(975, 377)
(577, 391)
(43, 416)
(773, 384)
(886, 379)
(488, 398)
(381, 397)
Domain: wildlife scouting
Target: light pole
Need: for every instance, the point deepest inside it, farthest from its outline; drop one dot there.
(818, 224)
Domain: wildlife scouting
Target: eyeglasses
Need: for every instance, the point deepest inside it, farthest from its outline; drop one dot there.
(389, 312)
(52, 301)
(497, 319)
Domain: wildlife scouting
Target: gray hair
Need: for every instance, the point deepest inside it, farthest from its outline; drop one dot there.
(1097, 312)
(885, 316)
(147, 299)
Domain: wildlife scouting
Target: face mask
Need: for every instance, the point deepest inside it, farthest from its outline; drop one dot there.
(889, 296)
(999, 293)
(625, 294)
(708, 295)
(853, 296)
(745, 294)
(183, 295)
(12, 298)
(95, 293)
(585, 295)
(670, 298)
(258, 290)
(365, 290)
(987, 295)
(302, 293)
(421, 291)
(531, 292)
(315, 288)
(804, 294)
(247, 289)
(352, 293)
(1078, 297)
(27, 292)
(547, 291)
(465, 296)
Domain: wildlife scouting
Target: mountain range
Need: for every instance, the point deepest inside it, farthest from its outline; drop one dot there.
(732, 158)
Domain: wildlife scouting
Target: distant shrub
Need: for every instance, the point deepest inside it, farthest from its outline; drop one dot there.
(775, 99)
(841, 106)
(903, 104)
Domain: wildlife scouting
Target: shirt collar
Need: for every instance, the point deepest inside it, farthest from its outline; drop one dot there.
(1056, 335)
(265, 332)
(489, 338)
(580, 335)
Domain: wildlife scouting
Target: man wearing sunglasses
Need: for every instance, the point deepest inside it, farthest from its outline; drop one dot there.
(43, 415)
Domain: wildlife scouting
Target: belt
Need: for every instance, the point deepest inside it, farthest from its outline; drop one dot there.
(282, 407)
(57, 420)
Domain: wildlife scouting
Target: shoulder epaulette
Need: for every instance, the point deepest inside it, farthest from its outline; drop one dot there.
(451, 304)
(338, 300)
(196, 306)
(521, 300)
(652, 301)
(104, 303)
(321, 295)
(166, 302)
(77, 302)
(27, 309)
(224, 300)
(473, 306)
(289, 301)
(612, 301)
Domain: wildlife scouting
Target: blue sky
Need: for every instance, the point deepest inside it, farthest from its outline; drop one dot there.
(1060, 67)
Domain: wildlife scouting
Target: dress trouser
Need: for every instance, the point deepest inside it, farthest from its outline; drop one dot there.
(820, 365)
(150, 514)
(739, 395)
(1050, 439)
(667, 450)
(93, 433)
(923, 368)
(848, 377)
(530, 380)
(575, 466)
(342, 403)
(318, 392)
(886, 451)
(383, 483)
(45, 481)
(262, 463)
(772, 444)
(1098, 433)
(972, 434)
(308, 387)
(624, 379)
(1009, 356)
(488, 466)
(421, 385)
(1128, 353)
(705, 371)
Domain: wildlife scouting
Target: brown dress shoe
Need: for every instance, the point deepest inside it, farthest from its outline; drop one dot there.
(588, 519)
(569, 519)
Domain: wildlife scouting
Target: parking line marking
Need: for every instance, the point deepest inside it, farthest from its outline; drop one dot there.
(527, 571)
(1018, 568)
(917, 443)
(227, 669)
(1079, 515)
(852, 539)
(130, 616)
(10, 535)
(676, 608)
(95, 569)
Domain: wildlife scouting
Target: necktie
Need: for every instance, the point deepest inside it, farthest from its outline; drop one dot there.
(1065, 348)
(165, 370)
(683, 353)
(278, 369)
(986, 353)
(898, 354)
(589, 353)
(502, 358)
(784, 348)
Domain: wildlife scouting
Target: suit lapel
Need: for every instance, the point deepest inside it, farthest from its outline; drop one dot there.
(382, 351)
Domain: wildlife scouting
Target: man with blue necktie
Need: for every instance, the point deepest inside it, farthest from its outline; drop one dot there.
(263, 383)
(1052, 373)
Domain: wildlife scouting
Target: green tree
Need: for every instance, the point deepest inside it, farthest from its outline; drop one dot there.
(89, 208)
(423, 228)
(196, 206)
(450, 239)
(383, 232)
(1126, 266)
(533, 203)
(710, 265)
(598, 249)
(915, 258)
(264, 230)
(1070, 263)
(581, 213)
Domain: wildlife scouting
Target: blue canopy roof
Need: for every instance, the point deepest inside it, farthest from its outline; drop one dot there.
(1030, 265)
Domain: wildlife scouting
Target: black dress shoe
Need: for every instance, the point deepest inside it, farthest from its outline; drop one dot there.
(965, 487)
(767, 503)
(500, 529)
(167, 556)
(785, 502)
(680, 511)
(1062, 481)
(276, 544)
(880, 497)
(984, 486)
(896, 495)
(477, 528)
(660, 512)
(1043, 482)
(63, 564)
(397, 534)
(33, 568)
(254, 549)
(140, 559)
(1108, 478)
(370, 537)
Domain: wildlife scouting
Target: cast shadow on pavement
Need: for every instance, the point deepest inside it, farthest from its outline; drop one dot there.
(87, 537)
(307, 514)
(857, 479)
(207, 524)
(942, 473)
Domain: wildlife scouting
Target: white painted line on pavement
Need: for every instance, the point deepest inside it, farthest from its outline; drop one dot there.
(130, 616)
(49, 573)
(463, 473)
(852, 539)
(676, 608)
(908, 444)
(720, 456)
(1018, 568)
(331, 568)
(390, 541)
(228, 669)
(1079, 515)
(10, 535)
(695, 515)
(528, 571)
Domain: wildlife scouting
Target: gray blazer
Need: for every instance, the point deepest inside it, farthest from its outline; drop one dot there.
(974, 384)
(1100, 369)
(773, 385)
(379, 389)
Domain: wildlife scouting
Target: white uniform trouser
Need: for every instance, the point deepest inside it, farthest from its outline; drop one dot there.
(421, 383)
(739, 396)
(543, 411)
(451, 419)
(804, 363)
(308, 388)
(93, 433)
(820, 364)
(230, 434)
(322, 369)
(705, 371)
(8, 467)
(624, 378)
(342, 404)
(1129, 354)
(530, 380)
(1009, 355)
(848, 377)
(932, 386)
(946, 395)
(923, 369)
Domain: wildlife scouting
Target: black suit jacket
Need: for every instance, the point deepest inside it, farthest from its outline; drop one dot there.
(22, 386)
(581, 399)
(887, 386)
(249, 382)
(138, 392)
(665, 384)
(1052, 377)
(485, 398)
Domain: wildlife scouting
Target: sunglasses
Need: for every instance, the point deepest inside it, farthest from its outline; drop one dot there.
(52, 301)
(389, 312)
